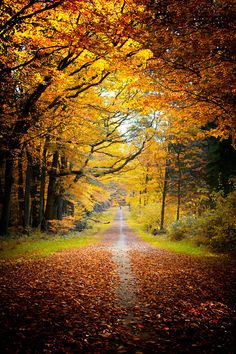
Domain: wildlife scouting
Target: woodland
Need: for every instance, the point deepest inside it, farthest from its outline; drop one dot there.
(117, 136)
(120, 102)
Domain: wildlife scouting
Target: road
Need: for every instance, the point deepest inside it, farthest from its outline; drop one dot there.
(120, 296)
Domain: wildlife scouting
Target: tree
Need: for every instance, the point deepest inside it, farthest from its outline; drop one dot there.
(80, 82)
(192, 66)
(50, 58)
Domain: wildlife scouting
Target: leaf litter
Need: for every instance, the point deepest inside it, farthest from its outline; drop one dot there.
(73, 301)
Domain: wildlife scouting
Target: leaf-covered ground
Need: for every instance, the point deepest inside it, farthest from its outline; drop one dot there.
(119, 297)
(187, 302)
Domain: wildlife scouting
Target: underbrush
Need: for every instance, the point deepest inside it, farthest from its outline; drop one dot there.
(215, 228)
(149, 215)
(162, 241)
(39, 244)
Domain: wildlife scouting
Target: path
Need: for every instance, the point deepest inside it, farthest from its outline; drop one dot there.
(121, 296)
(127, 284)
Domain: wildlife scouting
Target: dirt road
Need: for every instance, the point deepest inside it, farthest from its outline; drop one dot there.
(121, 296)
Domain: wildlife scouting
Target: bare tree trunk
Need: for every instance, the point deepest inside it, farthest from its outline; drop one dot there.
(1, 184)
(164, 194)
(178, 188)
(145, 201)
(6, 200)
(60, 205)
(140, 201)
(28, 183)
(60, 200)
(43, 182)
(178, 200)
(50, 212)
(35, 194)
(20, 190)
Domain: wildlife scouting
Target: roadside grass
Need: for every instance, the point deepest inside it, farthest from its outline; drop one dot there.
(162, 241)
(40, 244)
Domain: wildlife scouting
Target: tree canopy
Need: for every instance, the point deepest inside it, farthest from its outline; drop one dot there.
(92, 89)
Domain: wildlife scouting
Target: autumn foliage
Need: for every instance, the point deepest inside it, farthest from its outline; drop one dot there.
(93, 89)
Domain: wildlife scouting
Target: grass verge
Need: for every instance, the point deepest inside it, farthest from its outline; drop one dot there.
(162, 241)
(41, 244)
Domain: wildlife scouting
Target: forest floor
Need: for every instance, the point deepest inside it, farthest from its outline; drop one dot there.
(121, 296)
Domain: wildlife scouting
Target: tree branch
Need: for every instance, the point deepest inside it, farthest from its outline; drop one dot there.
(16, 19)
(86, 87)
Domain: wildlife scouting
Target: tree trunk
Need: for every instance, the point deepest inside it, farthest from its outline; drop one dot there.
(60, 206)
(164, 194)
(140, 201)
(178, 188)
(2, 164)
(35, 195)
(50, 212)
(6, 202)
(43, 183)
(178, 200)
(20, 190)
(145, 200)
(28, 183)
(60, 202)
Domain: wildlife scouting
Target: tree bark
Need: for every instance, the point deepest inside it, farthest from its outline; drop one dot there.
(145, 199)
(28, 183)
(164, 194)
(6, 202)
(50, 212)
(178, 200)
(140, 201)
(43, 182)
(178, 188)
(35, 194)
(1, 184)
(60, 207)
(20, 190)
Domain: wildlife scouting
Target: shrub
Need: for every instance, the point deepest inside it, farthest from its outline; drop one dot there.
(61, 226)
(149, 215)
(178, 231)
(215, 228)
(182, 229)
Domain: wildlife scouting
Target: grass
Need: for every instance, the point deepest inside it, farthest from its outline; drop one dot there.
(161, 241)
(41, 244)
